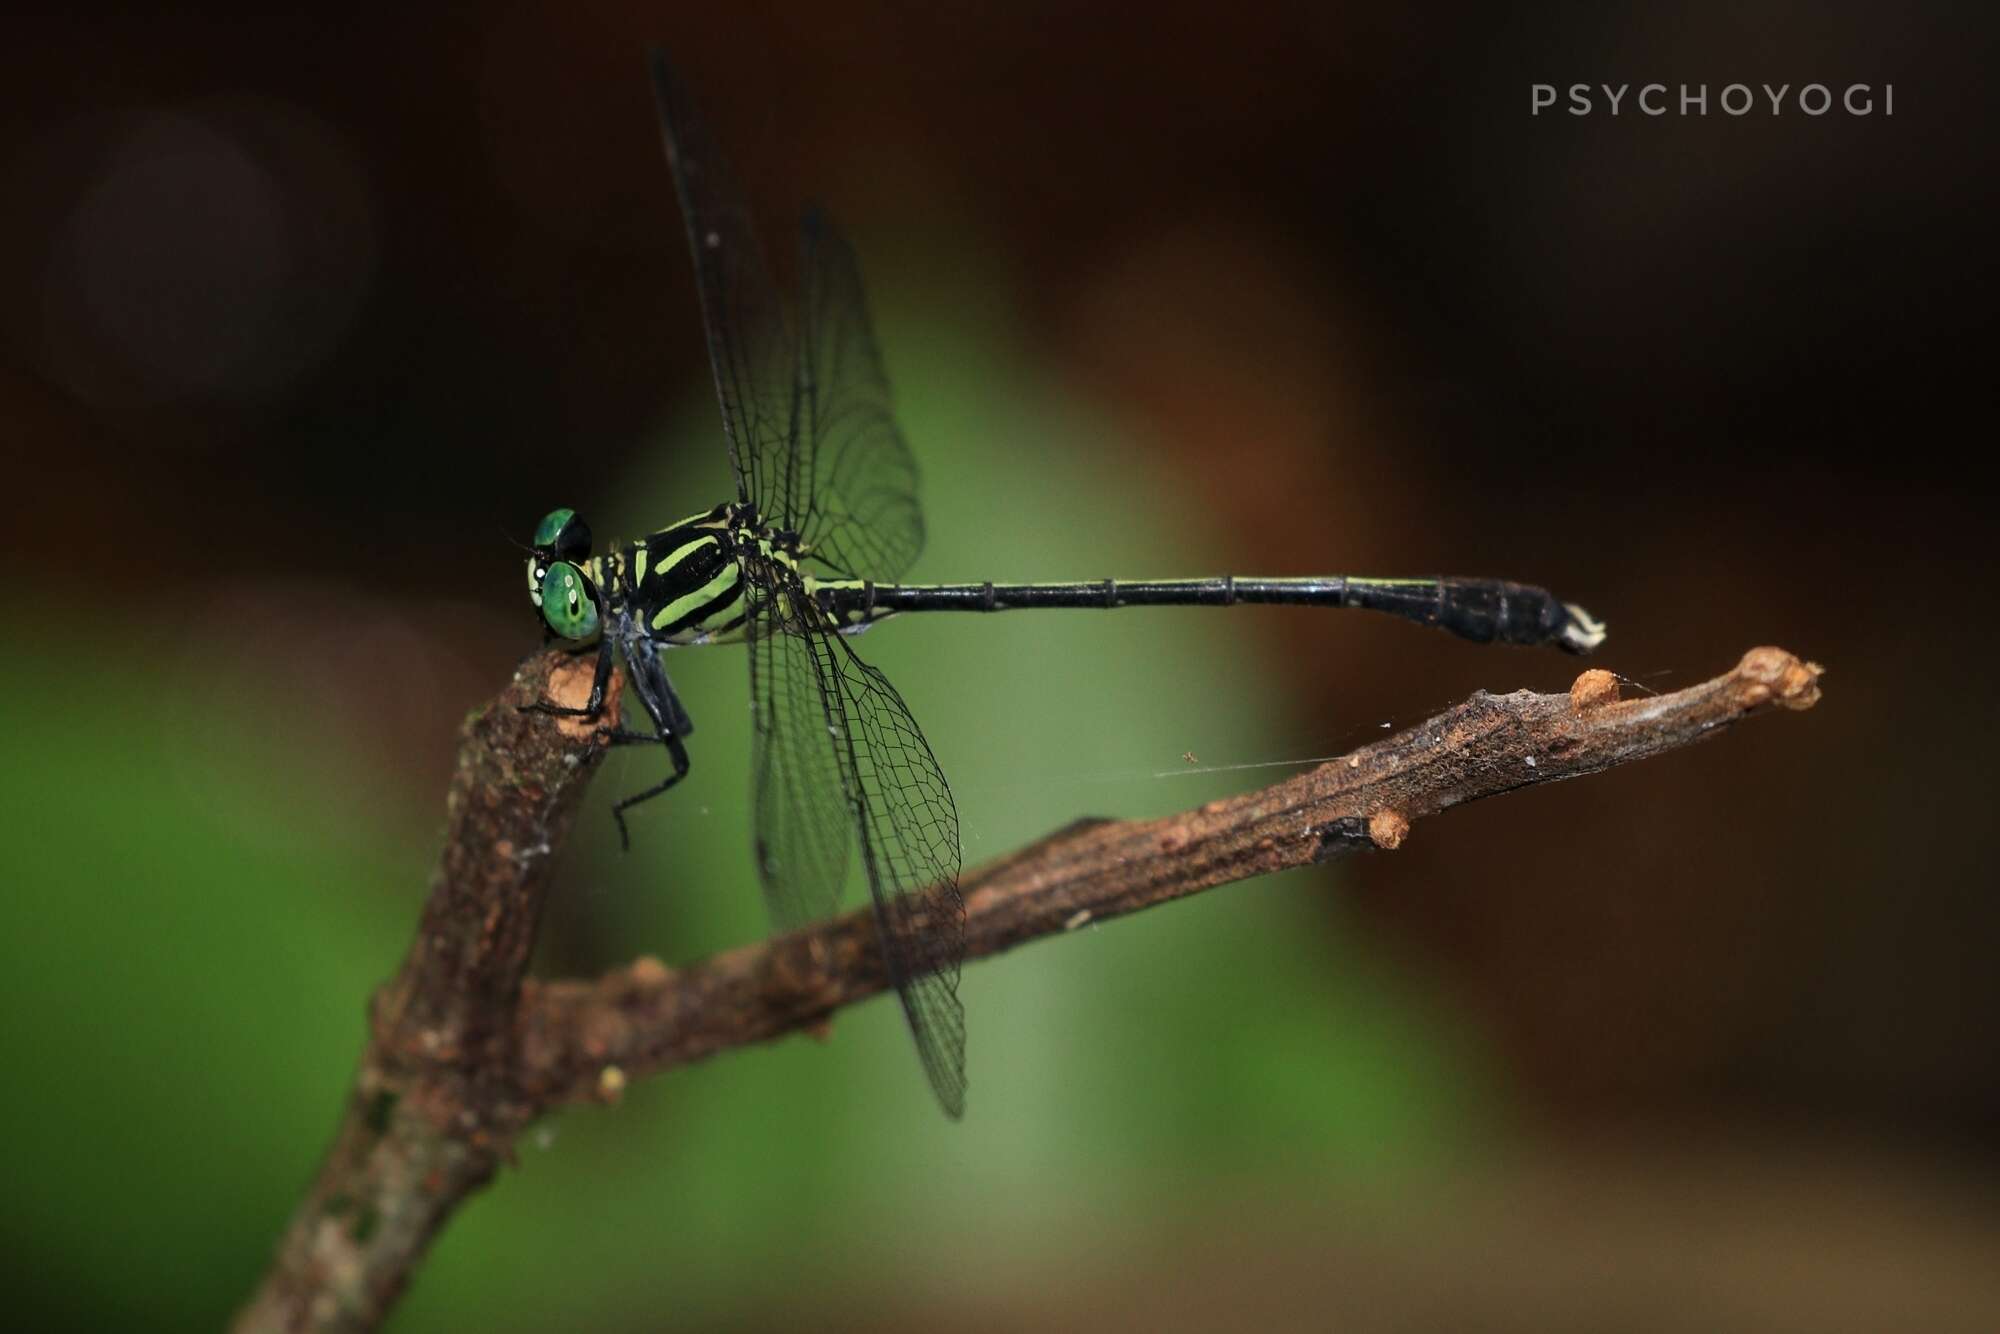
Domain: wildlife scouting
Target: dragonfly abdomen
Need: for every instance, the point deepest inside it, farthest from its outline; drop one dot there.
(1481, 610)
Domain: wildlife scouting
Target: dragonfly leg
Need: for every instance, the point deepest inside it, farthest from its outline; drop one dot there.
(680, 758)
(670, 723)
(625, 736)
(598, 681)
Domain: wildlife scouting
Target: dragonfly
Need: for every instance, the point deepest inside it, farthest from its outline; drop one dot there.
(812, 551)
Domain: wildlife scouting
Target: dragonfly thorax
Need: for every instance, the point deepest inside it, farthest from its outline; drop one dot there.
(684, 584)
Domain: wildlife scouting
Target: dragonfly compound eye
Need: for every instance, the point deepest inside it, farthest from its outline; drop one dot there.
(563, 533)
(569, 603)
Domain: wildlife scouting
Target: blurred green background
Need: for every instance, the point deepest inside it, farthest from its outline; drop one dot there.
(311, 318)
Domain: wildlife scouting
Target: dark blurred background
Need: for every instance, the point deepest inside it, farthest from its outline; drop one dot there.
(307, 319)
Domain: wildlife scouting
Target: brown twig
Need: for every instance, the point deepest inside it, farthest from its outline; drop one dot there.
(582, 1040)
(464, 1055)
(434, 1106)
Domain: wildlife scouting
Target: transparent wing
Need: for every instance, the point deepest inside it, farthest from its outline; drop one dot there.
(859, 503)
(748, 342)
(908, 827)
(798, 792)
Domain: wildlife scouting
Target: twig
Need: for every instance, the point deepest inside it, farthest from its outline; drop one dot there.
(464, 1055)
(434, 1106)
(581, 1040)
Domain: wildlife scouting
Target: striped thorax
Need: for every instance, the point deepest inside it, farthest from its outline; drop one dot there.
(685, 584)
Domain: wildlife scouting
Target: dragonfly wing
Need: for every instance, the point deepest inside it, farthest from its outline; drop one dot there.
(860, 513)
(803, 826)
(748, 341)
(903, 814)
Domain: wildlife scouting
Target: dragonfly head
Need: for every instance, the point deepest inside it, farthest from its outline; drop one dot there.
(557, 584)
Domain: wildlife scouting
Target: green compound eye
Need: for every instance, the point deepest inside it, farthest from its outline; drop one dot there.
(563, 533)
(569, 604)
(551, 524)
